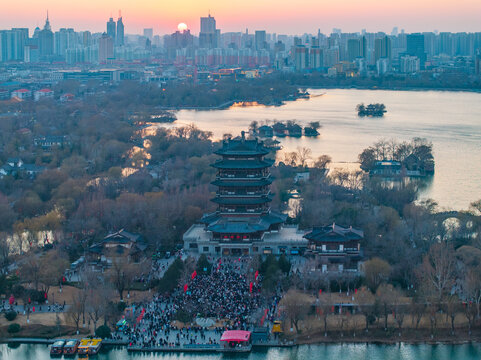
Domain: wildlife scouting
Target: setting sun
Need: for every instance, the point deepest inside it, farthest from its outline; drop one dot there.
(182, 27)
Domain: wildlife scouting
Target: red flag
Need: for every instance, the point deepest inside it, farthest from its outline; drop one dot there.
(250, 287)
(45, 295)
(11, 300)
(33, 309)
(194, 274)
(332, 309)
(185, 288)
(355, 291)
(256, 274)
(320, 291)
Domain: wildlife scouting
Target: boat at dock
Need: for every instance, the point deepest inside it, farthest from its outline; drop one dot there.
(57, 348)
(89, 346)
(70, 347)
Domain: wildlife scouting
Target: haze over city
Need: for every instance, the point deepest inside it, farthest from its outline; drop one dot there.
(274, 16)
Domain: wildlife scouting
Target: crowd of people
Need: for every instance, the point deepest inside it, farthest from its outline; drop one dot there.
(227, 295)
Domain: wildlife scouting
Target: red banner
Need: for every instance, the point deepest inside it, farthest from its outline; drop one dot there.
(256, 274)
(194, 274)
(185, 288)
(250, 287)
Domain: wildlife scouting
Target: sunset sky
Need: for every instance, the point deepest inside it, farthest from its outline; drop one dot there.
(282, 17)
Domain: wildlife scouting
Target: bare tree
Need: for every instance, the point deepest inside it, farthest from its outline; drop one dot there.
(376, 271)
(303, 154)
(76, 309)
(387, 295)
(322, 161)
(365, 299)
(296, 306)
(418, 310)
(437, 272)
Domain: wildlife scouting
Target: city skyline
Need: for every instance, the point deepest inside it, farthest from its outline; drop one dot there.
(306, 16)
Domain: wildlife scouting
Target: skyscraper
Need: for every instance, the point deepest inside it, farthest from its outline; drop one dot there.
(120, 31)
(260, 39)
(64, 39)
(415, 47)
(106, 48)
(382, 48)
(111, 28)
(45, 40)
(208, 33)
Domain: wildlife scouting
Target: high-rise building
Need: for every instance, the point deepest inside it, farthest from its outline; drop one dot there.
(106, 48)
(260, 40)
(415, 47)
(64, 39)
(208, 33)
(315, 58)
(111, 28)
(149, 33)
(382, 48)
(353, 49)
(45, 41)
(477, 63)
(12, 44)
(120, 32)
(301, 54)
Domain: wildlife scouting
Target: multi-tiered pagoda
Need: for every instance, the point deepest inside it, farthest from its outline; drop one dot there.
(243, 217)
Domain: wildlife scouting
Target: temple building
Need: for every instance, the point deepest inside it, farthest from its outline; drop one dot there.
(243, 223)
(338, 248)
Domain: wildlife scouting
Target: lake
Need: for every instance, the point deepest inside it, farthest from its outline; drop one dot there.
(451, 120)
(303, 352)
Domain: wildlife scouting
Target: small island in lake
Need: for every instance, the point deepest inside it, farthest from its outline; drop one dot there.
(281, 129)
(374, 110)
(394, 159)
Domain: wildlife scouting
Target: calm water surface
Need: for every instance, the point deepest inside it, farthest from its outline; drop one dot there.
(451, 120)
(304, 352)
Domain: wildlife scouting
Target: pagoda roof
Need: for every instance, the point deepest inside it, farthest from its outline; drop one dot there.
(240, 183)
(241, 200)
(334, 233)
(242, 147)
(243, 164)
(243, 225)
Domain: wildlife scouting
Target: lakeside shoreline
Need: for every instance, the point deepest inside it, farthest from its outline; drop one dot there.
(226, 105)
(411, 338)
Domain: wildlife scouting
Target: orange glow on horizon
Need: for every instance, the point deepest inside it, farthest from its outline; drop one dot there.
(288, 17)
